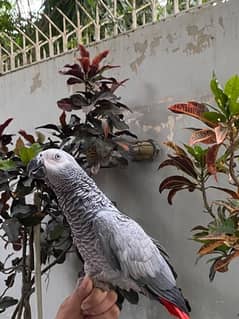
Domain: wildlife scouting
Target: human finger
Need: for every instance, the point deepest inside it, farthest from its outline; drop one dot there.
(112, 313)
(107, 303)
(95, 298)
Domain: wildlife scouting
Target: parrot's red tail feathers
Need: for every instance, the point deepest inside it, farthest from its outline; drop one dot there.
(173, 310)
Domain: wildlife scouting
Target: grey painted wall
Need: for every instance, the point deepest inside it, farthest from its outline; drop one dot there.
(166, 62)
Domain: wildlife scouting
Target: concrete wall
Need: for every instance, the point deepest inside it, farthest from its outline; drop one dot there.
(166, 62)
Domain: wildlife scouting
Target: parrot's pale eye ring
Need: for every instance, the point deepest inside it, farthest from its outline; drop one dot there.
(57, 156)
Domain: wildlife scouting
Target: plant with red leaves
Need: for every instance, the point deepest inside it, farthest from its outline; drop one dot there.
(198, 164)
(102, 138)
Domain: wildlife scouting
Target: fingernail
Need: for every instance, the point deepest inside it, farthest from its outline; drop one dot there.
(84, 306)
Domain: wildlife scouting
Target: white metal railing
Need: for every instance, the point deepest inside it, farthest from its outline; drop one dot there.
(105, 20)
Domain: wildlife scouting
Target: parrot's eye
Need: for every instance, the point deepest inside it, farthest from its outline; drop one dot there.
(57, 156)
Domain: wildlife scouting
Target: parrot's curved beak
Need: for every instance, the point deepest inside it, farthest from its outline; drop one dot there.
(36, 168)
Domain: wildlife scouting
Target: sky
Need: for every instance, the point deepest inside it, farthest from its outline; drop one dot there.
(34, 4)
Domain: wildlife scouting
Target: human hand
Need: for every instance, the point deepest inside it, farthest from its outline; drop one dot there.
(87, 302)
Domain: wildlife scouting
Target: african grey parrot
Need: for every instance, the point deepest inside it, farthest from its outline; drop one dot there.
(117, 252)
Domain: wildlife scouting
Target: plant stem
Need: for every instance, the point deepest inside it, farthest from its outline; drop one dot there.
(231, 169)
(37, 259)
(232, 157)
(24, 275)
(204, 195)
(37, 263)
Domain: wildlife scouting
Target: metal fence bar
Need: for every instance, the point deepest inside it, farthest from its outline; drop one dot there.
(91, 23)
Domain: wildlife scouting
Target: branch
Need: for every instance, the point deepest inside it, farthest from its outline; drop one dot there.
(24, 274)
(232, 171)
(204, 195)
(4, 291)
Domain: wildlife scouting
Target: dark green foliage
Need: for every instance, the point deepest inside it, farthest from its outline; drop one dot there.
(6, 17)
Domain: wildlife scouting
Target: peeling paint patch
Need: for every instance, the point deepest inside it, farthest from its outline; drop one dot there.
(201, 40)
(170, 124)
(220, 21)
(36, 83)
(175, 50)
(151, 129)
(154, 44)
(141, 49)
(171, 37)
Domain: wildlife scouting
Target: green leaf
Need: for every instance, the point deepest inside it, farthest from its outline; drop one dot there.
(56, 232)
(220, 97)
(6, 302)
(7, 164)
(28, 153)
(214, 117)
(198, 153)
(232, 91)
(12, 228)
(227, 227)
(21, 210)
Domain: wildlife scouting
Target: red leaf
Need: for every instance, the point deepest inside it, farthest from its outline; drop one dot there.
(4, 125)
(72, 81)
(30, 138)
(211, 157)
(176, 181)
(74, 70)
(85, 63)
(206, 136)
(210, 247)
(17, 245)
(177, 149)
(94, 67)
(62, 119)
(106, 127)
(182, 162)
(65, 104)
(222, 264)
(221, 133)
(171, 194)
(192, 108)
(98, 58)
(83, 52)
(116, 85)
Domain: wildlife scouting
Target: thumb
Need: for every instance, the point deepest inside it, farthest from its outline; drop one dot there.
(84, 289)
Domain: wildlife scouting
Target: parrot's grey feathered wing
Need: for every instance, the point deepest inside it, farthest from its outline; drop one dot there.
(129, 249)
(116, 251)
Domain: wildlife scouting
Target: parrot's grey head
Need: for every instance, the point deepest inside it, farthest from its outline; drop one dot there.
(52, 164)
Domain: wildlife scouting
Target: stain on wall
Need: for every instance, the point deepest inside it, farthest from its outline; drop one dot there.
(202, 38)
(36, 83)
(141, 49)
(154, 44)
